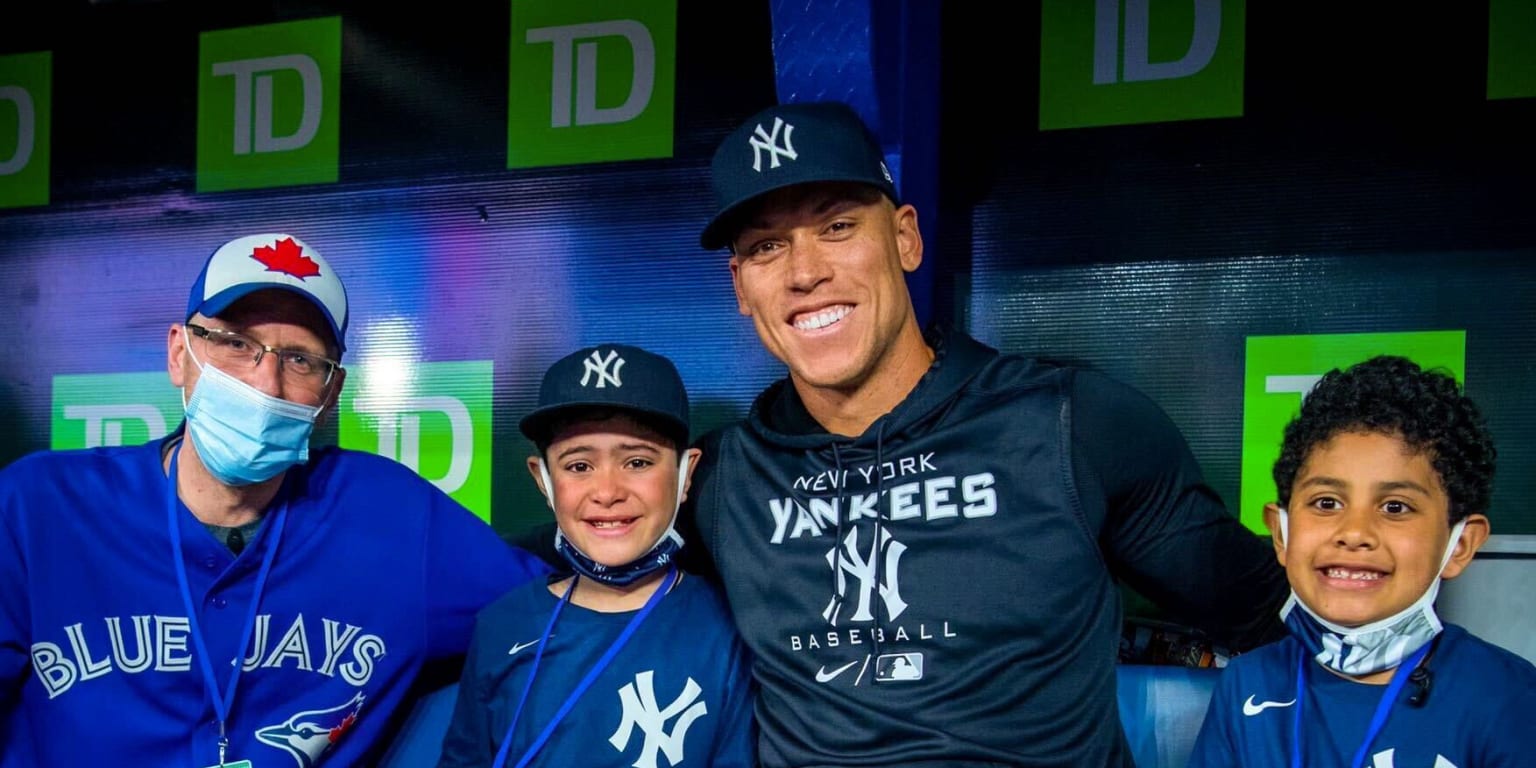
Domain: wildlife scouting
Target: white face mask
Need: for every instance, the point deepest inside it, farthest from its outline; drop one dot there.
(1369, 648)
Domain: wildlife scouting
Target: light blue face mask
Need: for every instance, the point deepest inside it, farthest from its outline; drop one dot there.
(1373, 647)
(243, 435)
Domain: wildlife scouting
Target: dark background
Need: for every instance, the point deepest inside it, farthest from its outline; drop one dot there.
(1369, 186)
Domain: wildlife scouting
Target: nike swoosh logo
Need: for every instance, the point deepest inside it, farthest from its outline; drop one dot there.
(520, 646)
(1250, 709)
(822, 675)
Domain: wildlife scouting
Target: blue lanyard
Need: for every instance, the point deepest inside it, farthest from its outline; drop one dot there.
(221, 704)
(570, 701)
(1378, 720)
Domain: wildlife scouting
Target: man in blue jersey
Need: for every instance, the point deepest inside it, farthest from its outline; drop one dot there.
(225, 595)
(626, 659)
(1383, 481)
(922, 540)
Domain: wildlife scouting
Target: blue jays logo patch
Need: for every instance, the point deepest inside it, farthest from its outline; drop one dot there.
(307, 735)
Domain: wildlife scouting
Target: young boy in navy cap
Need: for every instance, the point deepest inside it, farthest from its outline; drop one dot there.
(1383, 481)
(621, 659)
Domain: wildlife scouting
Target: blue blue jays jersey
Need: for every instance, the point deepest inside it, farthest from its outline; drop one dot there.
(1477, 713)
(376, 572)
(677, 693)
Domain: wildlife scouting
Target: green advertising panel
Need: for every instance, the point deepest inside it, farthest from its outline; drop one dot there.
(26, 111)
(1511, 49)
(107, 409)
(269, 105)
(1280, 370)
(1115, 62)
(432, 417)
(590, 81)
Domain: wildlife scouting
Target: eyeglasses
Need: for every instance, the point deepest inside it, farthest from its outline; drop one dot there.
(299, 368)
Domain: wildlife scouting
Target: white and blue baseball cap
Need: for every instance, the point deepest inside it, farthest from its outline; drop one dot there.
(257, 262)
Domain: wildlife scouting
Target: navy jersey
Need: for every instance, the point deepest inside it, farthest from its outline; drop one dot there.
(376, 572)
(1476, 715)
(677, 693)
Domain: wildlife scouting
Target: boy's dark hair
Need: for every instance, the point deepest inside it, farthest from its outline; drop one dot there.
(660, 426)
(1392, 395)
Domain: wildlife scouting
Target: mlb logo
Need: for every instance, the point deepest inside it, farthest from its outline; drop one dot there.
(893, 667)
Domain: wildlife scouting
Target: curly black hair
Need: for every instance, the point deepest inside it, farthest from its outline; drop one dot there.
(1393, 395)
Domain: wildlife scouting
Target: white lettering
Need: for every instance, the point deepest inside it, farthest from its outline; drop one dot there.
(935, 493)
(1204, 36)
(139, 662)
(980, 499)
(246, 72)
(336, 643)
(171, 637)
(26, 129)
(582, 78)
(88, 667)
(56, 672)
(294, 645)
(902, 507)
(364, 651)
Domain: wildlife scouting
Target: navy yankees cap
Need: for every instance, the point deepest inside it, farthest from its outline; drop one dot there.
(611, 376)
(790, 144)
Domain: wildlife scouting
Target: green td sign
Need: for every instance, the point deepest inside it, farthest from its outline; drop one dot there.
(269, 105)
(591, 81)
(1114, 62)
(432, 417)
(1280, 370)
(1511, 53)
(113, 409)
(26, 110)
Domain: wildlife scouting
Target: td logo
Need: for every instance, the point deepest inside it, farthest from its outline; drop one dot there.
(1511, 59)
(432, 417)
(108, 409)
(268, 105)
(1114, 62)
(26, 108)
(590, 81)
(1280, 370)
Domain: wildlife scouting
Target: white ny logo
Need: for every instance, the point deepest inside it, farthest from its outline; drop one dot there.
(769, 142)
(855, 564)
(596, 364)
(639, 700)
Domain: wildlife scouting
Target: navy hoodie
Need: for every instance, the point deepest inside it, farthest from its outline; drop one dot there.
(943, 589)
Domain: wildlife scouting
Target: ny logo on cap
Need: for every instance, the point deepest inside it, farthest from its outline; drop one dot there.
(764, 141)
(598, 365)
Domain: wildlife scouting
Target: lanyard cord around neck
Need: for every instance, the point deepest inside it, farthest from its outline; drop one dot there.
(221, 704)
(1378, 720)
(602, 663)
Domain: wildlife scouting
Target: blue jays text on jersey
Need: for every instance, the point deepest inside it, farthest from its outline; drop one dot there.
(375, 574)
(159, 644)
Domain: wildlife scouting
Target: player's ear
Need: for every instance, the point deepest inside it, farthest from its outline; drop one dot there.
(909, 241)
